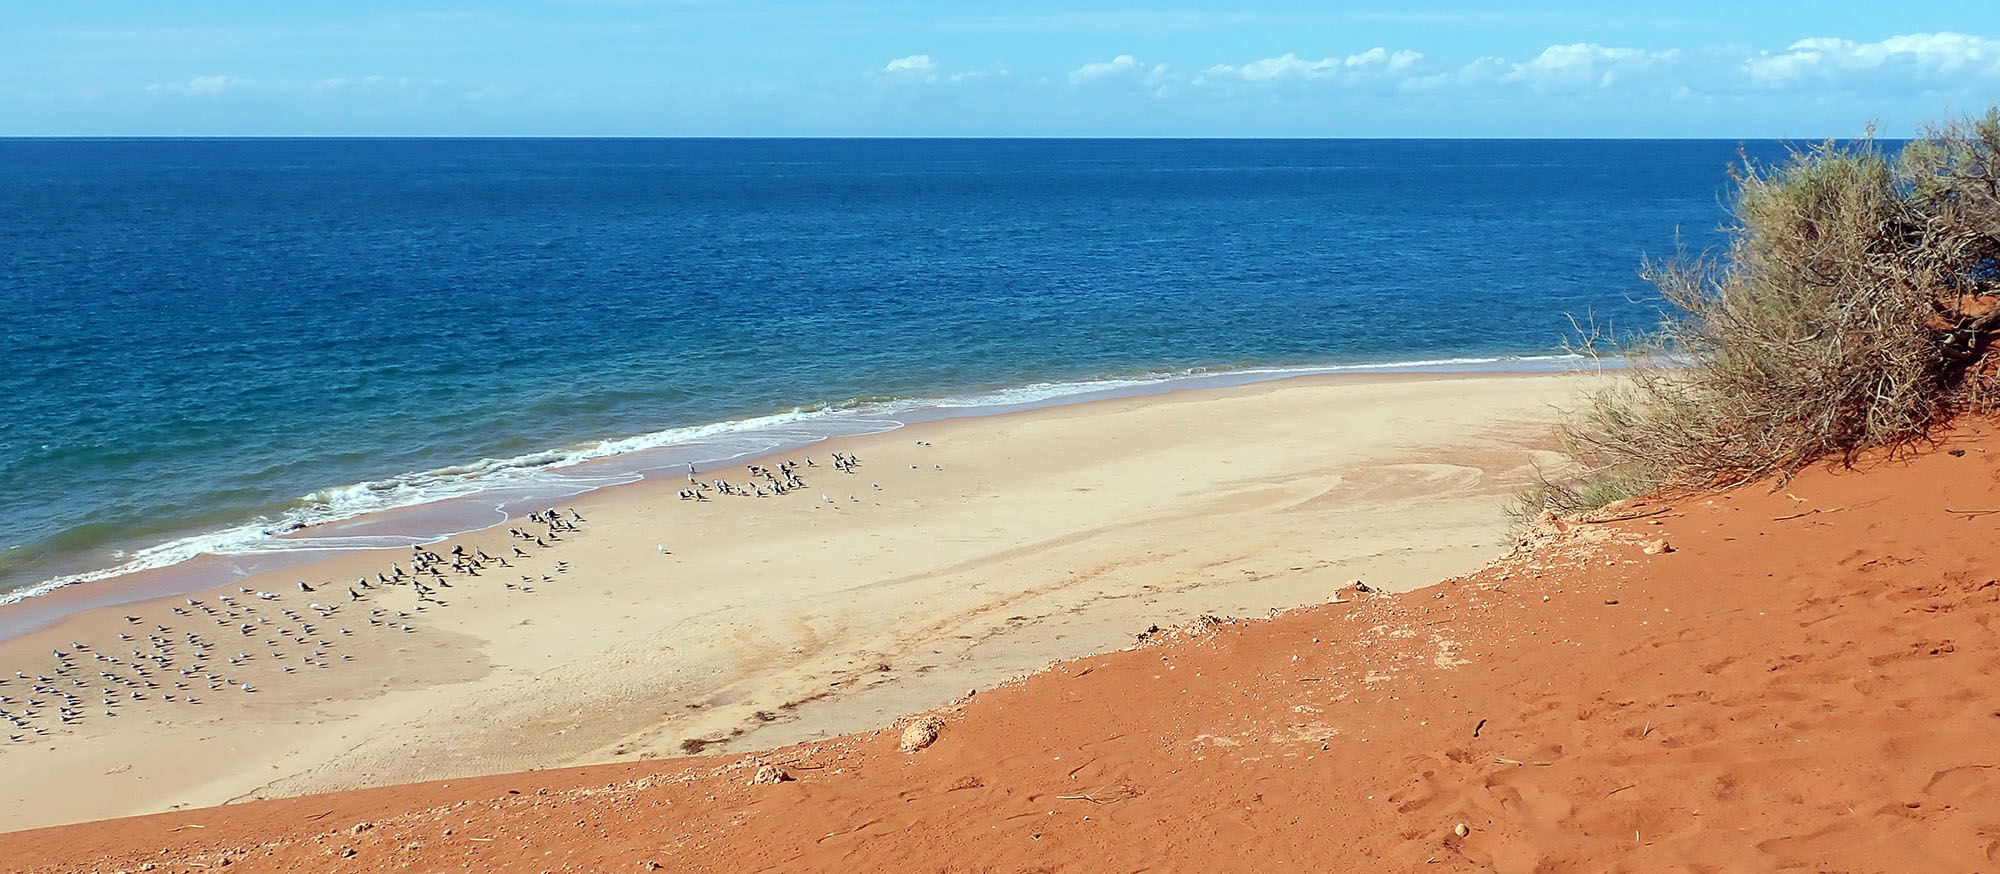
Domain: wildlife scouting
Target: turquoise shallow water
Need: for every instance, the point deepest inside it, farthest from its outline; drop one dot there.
(220, 339)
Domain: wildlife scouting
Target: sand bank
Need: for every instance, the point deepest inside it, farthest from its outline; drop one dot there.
(960, 553)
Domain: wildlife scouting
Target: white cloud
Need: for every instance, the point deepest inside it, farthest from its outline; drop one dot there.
(1375, 62)
(1121, 67)
(1577, 65)
(994, 72)
(1917, 55)
(1118, 66)
(926, 70)
(199, 86)
(919, 67)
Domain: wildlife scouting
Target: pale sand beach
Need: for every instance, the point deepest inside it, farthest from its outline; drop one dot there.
(956, 555)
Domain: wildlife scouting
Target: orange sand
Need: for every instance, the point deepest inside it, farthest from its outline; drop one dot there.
(1801, 679)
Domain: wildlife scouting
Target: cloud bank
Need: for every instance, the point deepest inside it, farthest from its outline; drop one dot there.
(1922, 57)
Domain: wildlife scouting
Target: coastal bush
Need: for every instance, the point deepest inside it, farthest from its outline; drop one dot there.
(1853, 307)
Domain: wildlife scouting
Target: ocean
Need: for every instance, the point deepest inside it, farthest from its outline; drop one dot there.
(210, 343)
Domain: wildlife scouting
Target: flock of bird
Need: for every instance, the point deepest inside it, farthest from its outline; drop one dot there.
(254, 631)
(766, 482)
(254, 634)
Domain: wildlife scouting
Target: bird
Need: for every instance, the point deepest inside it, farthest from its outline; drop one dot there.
(664, 550)
(303, 587)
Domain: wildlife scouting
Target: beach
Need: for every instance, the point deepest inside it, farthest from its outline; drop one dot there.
(1787, 678)
(953, 556)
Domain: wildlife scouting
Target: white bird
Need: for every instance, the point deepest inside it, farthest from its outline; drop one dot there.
(663, 549)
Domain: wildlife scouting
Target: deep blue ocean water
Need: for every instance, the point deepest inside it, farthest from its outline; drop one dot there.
(203, 335)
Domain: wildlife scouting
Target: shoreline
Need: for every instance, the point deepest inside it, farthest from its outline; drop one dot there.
(1743, 700)
(191, 564)
(1036, 534)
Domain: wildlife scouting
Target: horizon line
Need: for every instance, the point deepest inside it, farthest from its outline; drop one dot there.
(901, 137)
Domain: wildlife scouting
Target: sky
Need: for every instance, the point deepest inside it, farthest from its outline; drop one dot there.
(1534, 68)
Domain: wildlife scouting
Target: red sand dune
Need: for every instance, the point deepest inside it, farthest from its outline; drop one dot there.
(1806, 680)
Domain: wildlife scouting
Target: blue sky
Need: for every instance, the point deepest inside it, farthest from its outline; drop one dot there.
(859, 68)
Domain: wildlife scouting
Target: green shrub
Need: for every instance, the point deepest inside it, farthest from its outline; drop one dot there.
(1854, 307)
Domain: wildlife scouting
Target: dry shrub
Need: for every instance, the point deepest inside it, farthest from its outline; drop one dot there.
(1854, 307)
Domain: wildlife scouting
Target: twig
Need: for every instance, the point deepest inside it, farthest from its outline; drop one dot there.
(1626, 518)
(1123, 792)
(1618, 790)
(1971, 513)
(1796, 515)
(1310, 679)
(189, 825)
(320, 815)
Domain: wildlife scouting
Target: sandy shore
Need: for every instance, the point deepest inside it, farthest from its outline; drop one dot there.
(959, 554)
(1772, 679)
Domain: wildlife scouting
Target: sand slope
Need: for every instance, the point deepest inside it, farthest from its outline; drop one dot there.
(961, 553)
(1802, 681)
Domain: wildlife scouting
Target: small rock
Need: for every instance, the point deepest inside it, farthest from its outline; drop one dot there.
(768, 774)
(1461, 830)
(360, 827)
(1658, 547)
(921, 733)
(650, 865)
(347, 853)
